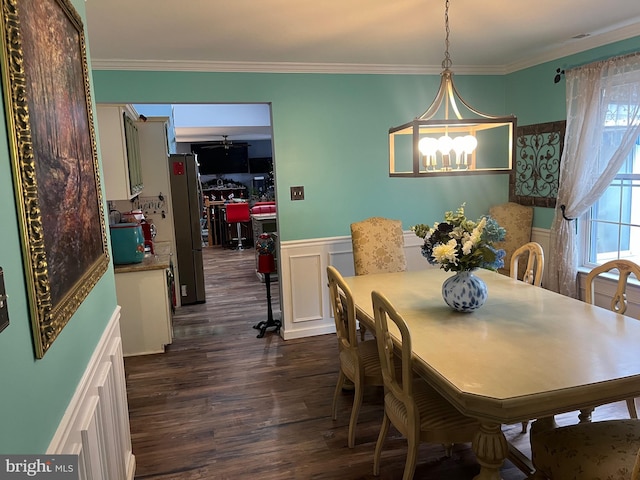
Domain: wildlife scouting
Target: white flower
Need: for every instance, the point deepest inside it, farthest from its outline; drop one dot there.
(467, 246)
(446, 252)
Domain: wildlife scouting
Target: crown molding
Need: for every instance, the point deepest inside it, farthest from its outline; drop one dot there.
(577, 46)
(284, 67)
(572, 47)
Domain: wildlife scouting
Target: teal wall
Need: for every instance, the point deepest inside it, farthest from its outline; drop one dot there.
(330, 135)
(534, 98)
(35, 393)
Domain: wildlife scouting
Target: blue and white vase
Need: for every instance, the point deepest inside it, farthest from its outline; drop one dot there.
(464, 291)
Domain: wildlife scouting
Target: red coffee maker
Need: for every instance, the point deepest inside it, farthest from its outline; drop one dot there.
(149, 233)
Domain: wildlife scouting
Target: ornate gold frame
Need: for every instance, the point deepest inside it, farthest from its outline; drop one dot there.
(45, 80)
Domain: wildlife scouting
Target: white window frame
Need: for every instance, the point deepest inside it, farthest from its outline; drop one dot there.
(585, 223)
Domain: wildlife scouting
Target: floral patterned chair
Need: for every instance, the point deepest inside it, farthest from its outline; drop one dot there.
(606, 450)
(517, 220)
(378, 246)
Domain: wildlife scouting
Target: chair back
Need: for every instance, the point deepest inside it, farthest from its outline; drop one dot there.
(517, 220)
(535, 263)
(378, 246)
(397, 382)
(344, 312)
(619, 299)
(237, 212)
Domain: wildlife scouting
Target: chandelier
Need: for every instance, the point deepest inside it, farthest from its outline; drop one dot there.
(441, 140)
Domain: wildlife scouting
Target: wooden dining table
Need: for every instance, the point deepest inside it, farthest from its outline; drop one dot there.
(528, 353)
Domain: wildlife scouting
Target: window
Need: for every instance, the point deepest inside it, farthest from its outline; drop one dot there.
(612, 225)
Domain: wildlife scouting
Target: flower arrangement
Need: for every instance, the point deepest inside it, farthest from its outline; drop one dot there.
(459, 244)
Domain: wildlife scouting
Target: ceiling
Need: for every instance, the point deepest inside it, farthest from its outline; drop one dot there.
(352, 36)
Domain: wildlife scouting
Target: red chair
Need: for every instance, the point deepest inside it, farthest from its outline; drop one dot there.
(238, 213)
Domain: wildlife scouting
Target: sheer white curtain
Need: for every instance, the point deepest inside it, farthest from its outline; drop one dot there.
(599, 94)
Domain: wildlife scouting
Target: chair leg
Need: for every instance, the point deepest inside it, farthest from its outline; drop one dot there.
(334, 408)
(525, 425)
(631, 406)
(363, 330)
(384, 428)
(413, 441)
(355, 411)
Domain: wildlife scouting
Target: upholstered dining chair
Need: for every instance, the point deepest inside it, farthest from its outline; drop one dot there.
(535, 263)
(606, 450)
(359, 361)
(378, 247)
(418, 412)
(618, 302)
(517, 220)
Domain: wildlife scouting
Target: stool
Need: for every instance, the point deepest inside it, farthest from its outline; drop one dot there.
(238, 213)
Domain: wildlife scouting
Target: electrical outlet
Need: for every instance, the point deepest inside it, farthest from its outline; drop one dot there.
(297, 193)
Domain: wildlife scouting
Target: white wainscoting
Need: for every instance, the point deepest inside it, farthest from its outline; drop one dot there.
(95, 425)
(306, 310)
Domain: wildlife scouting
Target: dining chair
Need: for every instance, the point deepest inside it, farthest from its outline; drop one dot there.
(378, 247)
(532, 273)
(618, 304)
(609, 449)
(418, 412)
(517, 220)
(359, 361)
(535, 263)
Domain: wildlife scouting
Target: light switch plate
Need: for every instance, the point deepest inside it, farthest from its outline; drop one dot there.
(297, 193)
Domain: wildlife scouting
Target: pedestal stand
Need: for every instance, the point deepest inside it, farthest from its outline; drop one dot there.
(270, 322)
(267, 265)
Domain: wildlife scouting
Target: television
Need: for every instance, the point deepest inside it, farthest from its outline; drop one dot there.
(221, 160)
(260, 165)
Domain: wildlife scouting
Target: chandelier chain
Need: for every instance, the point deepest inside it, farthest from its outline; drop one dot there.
(446, 63)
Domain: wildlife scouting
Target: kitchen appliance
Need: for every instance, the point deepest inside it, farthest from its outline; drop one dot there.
(187, 203)
(127, 243)
(149, 232)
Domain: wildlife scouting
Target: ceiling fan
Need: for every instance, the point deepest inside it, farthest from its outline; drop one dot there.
(225, 143)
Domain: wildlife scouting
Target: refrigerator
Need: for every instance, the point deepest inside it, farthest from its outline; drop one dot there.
(187, 203)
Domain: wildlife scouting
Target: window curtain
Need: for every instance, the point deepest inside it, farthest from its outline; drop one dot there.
(599, 95)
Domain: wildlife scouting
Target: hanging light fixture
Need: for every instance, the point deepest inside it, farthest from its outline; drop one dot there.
(441, 140)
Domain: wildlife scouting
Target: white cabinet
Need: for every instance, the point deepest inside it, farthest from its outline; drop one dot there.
(145, 322)
(119, 150)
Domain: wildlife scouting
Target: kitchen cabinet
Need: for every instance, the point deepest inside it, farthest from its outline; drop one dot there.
(120, 151)
(146, 317)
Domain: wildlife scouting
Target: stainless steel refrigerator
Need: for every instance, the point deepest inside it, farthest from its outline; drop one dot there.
(186, 199)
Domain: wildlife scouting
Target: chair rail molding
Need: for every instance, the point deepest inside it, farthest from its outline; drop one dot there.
(95, 425)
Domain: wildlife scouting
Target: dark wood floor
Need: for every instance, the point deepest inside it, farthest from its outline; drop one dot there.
(223, 404)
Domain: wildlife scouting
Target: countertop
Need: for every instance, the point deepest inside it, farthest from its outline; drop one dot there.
(158, 261)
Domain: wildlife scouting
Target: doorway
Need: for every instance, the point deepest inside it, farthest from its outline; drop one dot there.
(234, 148)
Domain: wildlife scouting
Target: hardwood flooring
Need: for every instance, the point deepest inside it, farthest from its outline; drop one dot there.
(222, 404)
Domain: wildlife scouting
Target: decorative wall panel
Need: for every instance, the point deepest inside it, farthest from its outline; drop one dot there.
(534, 176)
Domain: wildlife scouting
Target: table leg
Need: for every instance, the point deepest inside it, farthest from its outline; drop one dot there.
(491, 449)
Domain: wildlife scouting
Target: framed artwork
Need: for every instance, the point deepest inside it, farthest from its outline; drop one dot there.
(45, 80)
(534, 175)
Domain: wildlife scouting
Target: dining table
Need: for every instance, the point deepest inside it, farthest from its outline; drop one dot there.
(527, 353)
